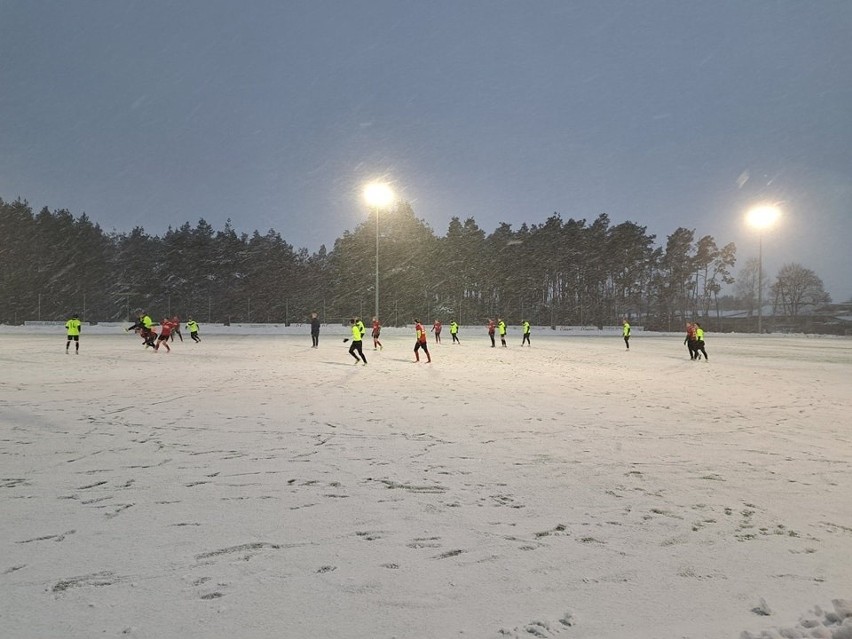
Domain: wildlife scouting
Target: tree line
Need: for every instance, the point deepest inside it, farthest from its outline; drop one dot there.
(559, 272)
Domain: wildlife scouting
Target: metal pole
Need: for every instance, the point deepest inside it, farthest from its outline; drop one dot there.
(377, 263)
(760, 284)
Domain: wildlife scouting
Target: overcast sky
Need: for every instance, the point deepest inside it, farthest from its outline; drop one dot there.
(275, 114)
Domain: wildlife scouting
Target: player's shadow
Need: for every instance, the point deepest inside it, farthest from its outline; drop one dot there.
(346, 364)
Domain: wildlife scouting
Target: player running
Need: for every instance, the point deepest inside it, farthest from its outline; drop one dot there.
(166, 328)
(356, 346)
(192, 327)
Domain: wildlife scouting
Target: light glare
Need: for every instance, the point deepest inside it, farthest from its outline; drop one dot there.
(378, 195)
(762, 217)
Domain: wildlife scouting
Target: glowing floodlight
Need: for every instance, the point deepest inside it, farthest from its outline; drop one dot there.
(378, 195)
(763, 217)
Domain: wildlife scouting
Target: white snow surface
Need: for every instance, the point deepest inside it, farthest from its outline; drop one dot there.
(250, 486)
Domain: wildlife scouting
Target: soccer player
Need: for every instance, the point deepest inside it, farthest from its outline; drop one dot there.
(436, 328)
(377, 330)
(192, 327)
(625, 332)
(454, 332)
(699, 342)
(501, 326)
(166, 327)
(72, 326)
(526, 339)
(689, 340)
(144, 326)
(421, 342)
(356, 345)
(176, 329)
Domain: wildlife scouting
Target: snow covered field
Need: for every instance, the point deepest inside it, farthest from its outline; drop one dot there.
(251, 487)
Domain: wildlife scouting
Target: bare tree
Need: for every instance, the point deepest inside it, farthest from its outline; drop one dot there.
(747, 286)
(796, 287)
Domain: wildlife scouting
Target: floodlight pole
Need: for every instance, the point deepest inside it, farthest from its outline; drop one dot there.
(760, 283)
(377, 195)
(377, 262)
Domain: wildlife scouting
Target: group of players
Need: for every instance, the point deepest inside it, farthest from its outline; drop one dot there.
(168, 328)
(359, 330)
(356, 348)
(152, 336)
(694, 341)
(694, 336)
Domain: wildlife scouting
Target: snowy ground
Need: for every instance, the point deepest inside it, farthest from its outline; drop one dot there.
(251, 487)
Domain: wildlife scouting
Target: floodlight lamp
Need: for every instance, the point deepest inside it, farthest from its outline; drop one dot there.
(763, 217)
(378, 195)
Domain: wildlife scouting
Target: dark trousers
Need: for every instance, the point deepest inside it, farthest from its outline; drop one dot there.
(491, 335)
(194, 336)
(315, 339)
(627, 341)
(526, 339)
(417, 346)
(455, 338)
(356, 347)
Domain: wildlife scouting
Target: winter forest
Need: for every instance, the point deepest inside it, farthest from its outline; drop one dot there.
(559, 272)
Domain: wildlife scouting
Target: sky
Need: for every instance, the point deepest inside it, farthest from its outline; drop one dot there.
(276, 114)
(268, 489)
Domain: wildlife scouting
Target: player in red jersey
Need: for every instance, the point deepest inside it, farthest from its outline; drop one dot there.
(421, 342)
(166, 328)
(377, 330)
(176, 329)
(436, 328)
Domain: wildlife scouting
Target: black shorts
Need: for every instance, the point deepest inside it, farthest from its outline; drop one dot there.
(76, 338)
